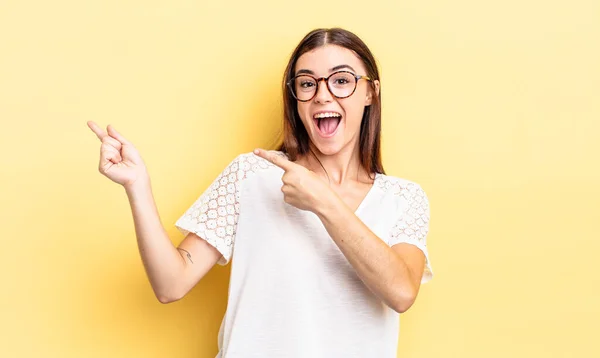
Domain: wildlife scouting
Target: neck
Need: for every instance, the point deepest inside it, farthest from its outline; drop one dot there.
(338, 169)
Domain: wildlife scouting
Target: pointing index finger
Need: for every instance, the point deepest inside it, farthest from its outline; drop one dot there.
(100, 133)
(279, 161)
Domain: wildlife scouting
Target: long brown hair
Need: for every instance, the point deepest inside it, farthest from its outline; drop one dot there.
(295, 137)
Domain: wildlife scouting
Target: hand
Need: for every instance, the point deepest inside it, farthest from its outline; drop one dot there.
(119, 160)
(302, 187)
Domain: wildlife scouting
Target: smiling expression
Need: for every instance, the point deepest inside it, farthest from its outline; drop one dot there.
(333, 123)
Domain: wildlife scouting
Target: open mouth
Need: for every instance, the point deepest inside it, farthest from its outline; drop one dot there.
(327, 123)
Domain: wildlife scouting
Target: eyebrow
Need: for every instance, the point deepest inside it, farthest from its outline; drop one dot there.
(338, 67)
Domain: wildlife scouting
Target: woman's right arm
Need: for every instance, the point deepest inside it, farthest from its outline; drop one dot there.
(172, 271)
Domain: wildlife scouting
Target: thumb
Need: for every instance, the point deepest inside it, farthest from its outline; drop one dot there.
(116, 135)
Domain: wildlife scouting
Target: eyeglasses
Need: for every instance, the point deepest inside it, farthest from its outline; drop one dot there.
(341, 84)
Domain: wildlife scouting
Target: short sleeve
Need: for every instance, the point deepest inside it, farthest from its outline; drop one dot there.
(214, 215)
(412, 225)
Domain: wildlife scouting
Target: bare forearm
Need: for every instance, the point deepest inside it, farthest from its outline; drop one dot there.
(379, 267)
(162, 261)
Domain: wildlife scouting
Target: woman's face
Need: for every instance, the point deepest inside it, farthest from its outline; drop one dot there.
(333, 123)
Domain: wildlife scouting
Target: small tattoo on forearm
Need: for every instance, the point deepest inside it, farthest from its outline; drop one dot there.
(188, 255)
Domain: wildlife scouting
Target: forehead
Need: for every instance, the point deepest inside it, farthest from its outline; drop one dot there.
(323, 58)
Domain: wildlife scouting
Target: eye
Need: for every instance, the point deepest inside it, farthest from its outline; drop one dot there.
(307, 84)
(341, 80)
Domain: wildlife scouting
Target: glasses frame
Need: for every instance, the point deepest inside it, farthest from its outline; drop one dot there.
(326, 79)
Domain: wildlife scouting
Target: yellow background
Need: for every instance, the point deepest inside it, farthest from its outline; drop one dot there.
(493, 107)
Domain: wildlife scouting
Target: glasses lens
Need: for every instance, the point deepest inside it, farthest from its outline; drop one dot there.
(304, 87)
(342, 84)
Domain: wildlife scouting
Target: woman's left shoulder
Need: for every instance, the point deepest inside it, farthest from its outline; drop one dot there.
(401, 188)
(390, 182)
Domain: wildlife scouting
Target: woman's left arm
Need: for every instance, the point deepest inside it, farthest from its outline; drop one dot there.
(392, 273)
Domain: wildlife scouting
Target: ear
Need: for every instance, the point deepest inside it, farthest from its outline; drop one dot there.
(371, 93)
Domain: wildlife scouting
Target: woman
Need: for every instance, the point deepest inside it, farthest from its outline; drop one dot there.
(327, 250)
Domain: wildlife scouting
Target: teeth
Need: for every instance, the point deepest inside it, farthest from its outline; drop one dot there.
(327, 115)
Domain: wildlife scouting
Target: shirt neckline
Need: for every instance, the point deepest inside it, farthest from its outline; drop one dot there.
(366, 197)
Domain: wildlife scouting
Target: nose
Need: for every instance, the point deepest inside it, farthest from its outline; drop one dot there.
(323, 95)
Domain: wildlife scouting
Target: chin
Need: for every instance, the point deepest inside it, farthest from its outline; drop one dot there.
(328, 148)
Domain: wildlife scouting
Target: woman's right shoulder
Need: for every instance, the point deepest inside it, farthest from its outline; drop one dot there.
(248, 163)
(253, 158)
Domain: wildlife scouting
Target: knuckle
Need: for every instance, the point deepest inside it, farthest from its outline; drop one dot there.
(112, 149)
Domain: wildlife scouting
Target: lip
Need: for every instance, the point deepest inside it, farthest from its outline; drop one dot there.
(316, 123)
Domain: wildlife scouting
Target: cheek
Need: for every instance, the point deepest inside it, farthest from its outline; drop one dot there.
(354, 111)
(303, 111)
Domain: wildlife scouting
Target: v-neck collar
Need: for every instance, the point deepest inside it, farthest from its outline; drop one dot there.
(366, 197)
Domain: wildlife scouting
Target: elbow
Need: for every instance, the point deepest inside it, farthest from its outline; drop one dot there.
(168, 297)
(402, 306)
(404, 301)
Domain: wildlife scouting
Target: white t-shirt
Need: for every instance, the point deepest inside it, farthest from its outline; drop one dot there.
(292, 293)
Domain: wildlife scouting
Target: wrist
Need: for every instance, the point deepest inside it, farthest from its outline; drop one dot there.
(332, 204)
(137, 186)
